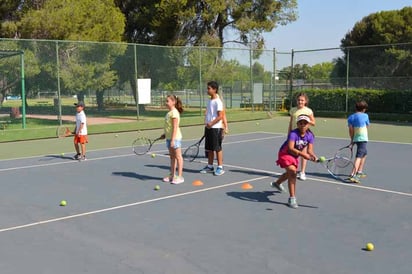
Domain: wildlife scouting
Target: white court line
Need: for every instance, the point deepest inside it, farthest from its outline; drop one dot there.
(126, 205)
(116, 156)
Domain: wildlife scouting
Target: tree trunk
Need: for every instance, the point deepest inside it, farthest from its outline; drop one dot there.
(99, 100)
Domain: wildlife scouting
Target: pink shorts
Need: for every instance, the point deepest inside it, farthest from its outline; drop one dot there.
(285, 160)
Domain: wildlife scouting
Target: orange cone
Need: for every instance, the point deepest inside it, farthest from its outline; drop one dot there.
(247, 186)
(197, 183)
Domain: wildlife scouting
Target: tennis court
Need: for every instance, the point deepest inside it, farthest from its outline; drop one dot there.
(115, 222)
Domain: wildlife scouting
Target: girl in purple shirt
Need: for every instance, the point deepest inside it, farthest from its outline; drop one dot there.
(289, 153)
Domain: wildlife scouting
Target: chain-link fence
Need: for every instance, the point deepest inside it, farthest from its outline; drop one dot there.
(104, 75)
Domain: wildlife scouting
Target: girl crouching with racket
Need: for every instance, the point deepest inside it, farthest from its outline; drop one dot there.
(173, 137)
(289, 153)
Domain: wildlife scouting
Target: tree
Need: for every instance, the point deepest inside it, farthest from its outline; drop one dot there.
(85, 20)
(194, 22)
(391, 30)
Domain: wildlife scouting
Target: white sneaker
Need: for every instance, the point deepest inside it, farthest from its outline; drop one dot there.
(302, 176)
(292, 202)
(178, 180)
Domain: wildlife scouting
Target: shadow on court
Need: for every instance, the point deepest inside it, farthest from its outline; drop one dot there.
(261, 197)
(135, 175)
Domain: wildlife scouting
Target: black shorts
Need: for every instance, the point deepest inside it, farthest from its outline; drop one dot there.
(361, 150)
(213, 139)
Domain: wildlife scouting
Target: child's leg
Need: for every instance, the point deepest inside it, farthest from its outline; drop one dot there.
(210, 157)
(219, 156)
(291, 175)
(356, 165)
(304, 161)
(179, 161)
(83, 146)
(172, 162)
(77, 148)
(282, 178)
(361, 164)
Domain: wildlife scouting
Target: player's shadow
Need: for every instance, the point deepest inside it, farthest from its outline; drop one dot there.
(260, 196)
(251, 172)
(134, 175)
(320, 175)
(185, 169)
(51, 157)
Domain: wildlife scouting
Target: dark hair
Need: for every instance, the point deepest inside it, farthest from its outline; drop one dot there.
(304, 95)
(361, 106)
(178, 102)
(214, 85)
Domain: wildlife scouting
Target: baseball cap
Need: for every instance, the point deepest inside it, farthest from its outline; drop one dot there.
(79, 104)
(303, 118)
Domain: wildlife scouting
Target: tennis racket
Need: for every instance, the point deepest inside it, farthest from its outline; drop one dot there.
(142, 144)
(63, 131)
(339, 167)
(345, 152)
(191, 153)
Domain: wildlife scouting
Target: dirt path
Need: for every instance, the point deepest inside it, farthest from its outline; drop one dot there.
(90, 120)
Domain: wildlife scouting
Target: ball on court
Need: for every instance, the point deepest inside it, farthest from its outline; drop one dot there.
(117, 135)
(322, 159)
(157, 187)
(153, 155)
(370, 247)
(257, 123)
(63, 203)
(62, 154)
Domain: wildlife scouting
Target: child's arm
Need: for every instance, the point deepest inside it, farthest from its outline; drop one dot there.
(312, 119)
(224, 120)
(175, 123)
(216, 120)
(351, 133)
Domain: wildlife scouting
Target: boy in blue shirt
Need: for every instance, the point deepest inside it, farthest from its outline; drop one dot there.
(358, 124)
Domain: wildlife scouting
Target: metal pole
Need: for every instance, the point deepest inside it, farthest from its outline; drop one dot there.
(200, 81)
(23, 91)
(135, 78)
(347, 81)
(251, 78)
(291, 79)
(274, 81)
(58, 84)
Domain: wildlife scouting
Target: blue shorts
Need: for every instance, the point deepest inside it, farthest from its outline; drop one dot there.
(361, 150)
(178, 144)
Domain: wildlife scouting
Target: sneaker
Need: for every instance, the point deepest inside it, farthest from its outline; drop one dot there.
(278, 187)
(207, 169)
(167, 179)
(219, 171)
(361, 175)
(77, 156)
(82, 158)
(292, 202)
(178, 180)
(354, 179)
(302, 176)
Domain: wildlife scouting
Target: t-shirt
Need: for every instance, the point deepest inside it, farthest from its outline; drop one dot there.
(168, 126)
(360, 122)
(81, 119)
(300, 141)
(213, 106)
(295, 112)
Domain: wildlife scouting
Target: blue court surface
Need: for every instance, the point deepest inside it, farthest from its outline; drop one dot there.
(115, 222)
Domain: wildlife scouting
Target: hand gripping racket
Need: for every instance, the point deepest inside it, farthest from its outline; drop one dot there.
(339, 167)
(191, 153)
(142, 145)
(63, 131)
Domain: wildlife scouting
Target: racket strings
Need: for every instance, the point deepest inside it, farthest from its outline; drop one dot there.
(340, 167)
(141, 145)
(191, 152)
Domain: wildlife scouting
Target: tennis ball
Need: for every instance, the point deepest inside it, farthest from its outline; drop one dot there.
(370, 247)
(322, 159)
(63, 203)
(153, 155)
(117, 135)
(62, 154)
(157, 187)
(257, 123)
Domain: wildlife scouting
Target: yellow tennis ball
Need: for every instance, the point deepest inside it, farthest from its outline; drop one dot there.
(257, 123)
(62, 154)
(370, 247)
(157, 187)
(153, 155)
(63, 203)
(322, 159)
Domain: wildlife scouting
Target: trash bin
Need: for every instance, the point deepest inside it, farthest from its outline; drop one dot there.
(15, 112)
